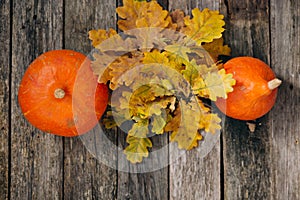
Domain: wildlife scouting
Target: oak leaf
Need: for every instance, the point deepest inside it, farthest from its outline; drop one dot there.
(98, 36)
(219, 84)
(210, 122)
(184, 125)
(216, 48)
(137, 14)
(138, 142)
(205, 25)
(158, 123)
(178, 18)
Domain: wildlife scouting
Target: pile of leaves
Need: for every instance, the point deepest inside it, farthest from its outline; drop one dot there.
(162, 70)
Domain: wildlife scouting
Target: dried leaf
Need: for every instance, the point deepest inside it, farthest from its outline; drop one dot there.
(178, 19)
(217, 84)
(137, 149)
(136, 14)
(204, 26)
(216, 48)
(139, 129)
(180, 52)
(191, 72)
(118, 68)
(251, 127)
(210, 122)
(138, 142)
(98, 36)
(155, 57)
(185, 125)
(158, 123)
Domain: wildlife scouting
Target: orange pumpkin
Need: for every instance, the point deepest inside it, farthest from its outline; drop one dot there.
(255, 91)
(54, 99)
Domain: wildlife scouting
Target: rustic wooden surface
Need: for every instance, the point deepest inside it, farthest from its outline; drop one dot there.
(263, 164)
(246, 154)
(36, 166)
(284, 120)
(4, 98)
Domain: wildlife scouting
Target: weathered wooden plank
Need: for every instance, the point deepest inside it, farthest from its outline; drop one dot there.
(85, 176)
(188, 5)
(140, 181)
(148, 180)
(4, 97)
(193, 175)
(36, 157)
(246, 154)
(285, 118)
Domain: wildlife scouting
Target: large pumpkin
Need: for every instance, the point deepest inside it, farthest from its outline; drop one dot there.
(59, 93)
(255, 91)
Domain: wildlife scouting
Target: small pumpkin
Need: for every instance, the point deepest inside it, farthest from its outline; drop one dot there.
(255, 91)
(60, 94)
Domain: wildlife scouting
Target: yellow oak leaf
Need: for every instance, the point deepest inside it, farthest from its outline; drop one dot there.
(130, 11)
(179, 51)
(137, 149)
(210, 122)
(184, 125)
(139, 129)
(158, 123)
(205, 25)
(136, 14)
(147, 105)
(98, 36)
(155, 57)
(216, 84)
(175, 61)
(138, 142)
(216, 48)
(120, 66)
(228, 81)
(191, 73)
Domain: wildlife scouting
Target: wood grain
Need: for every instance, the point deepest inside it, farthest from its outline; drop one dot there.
(86, 177)
(5, 69)
(36, 157)
(285, 117)
(193, 175)
(247, 154)
(140, 181)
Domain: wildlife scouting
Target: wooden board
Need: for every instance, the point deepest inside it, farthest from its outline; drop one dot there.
(264, 166)
(284, 120)
(85, 177)
(36, 157)
(193, 175)
(246, 154)
(5, 58)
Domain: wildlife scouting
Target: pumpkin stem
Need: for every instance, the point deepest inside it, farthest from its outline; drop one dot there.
(59, 93)
(274, 83)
